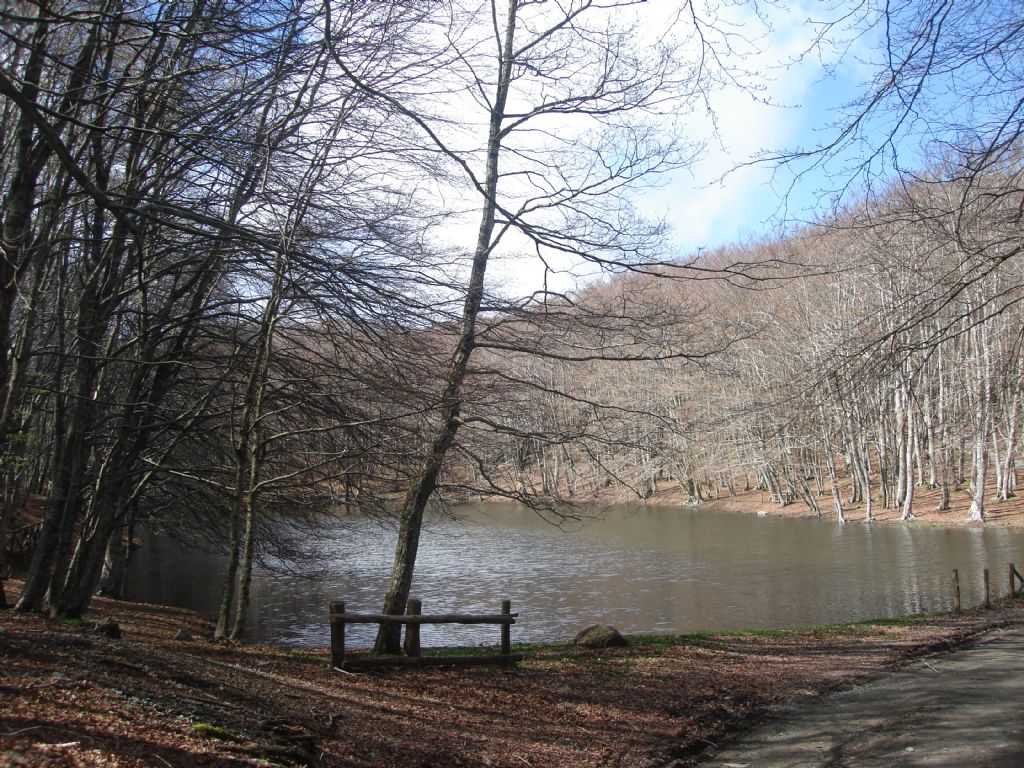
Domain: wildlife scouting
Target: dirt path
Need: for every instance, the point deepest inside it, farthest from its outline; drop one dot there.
(957, 710)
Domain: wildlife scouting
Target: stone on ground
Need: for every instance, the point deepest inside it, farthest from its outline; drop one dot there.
(600, 636)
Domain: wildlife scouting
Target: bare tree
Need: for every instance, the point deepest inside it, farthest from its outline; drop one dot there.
(162, 167)
(571, 107)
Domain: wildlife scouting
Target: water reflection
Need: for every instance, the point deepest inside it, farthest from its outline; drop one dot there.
(643, 569)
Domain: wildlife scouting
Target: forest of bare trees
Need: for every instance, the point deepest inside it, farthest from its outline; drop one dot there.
(897, 366)
(232, 300)
(201, 262)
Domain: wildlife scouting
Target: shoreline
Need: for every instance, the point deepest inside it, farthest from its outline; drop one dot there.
(999, 514)
(74, 697)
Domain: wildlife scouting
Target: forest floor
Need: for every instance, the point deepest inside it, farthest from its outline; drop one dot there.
(1009, 513)
(163, 694)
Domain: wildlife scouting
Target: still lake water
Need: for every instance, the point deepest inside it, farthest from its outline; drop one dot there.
(639, 568)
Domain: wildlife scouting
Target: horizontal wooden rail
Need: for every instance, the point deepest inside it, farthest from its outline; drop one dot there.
(22, 541)
(432, 661)
(437, 618)
(413, 618)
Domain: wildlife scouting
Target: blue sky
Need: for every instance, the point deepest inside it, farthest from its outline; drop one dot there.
(716, 201)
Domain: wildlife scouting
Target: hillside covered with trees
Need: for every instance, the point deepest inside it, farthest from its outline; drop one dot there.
(894, 364)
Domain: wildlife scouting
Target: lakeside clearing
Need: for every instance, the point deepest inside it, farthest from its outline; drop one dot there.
(1008, 513)
(74, 697)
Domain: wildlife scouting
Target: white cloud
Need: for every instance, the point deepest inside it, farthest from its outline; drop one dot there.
(723, 200)
(715, 201)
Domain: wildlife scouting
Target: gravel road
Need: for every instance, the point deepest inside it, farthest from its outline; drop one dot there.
(962, 709)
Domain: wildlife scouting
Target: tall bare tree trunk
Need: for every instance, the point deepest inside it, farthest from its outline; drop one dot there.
(908, 463)
(982, 416)
(227, 598)
(945, 451)
(1007, 486)
(449, 421)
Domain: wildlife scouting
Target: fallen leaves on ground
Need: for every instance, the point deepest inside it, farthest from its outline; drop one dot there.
(72, 697)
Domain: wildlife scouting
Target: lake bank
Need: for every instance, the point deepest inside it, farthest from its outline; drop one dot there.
(74, 697)
(999, 514)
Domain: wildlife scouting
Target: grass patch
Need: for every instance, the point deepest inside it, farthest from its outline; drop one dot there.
(658, 640)
(645, 645)
(470, 650)
(208, 731)
(301, 656)
(654, 642)
(491, 650)
(702, 639)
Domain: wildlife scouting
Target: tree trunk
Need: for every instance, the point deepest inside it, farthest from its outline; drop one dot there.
(945, 451)
(245, 571)
(902, 468)
(227, 598)
(1007, 486)
(104, 518)
(982, 415)
(908, 463)
(411, 520)
(830, 463)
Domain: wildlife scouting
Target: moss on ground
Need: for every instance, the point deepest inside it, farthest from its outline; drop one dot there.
(208, 731)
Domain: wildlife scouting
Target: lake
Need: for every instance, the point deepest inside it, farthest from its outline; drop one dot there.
(640, 568)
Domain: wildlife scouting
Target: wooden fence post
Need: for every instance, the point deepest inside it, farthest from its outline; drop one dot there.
(956, 591)
(337, 635)
(506, 629)
(413, 607)
(988, 601)
(413, 619)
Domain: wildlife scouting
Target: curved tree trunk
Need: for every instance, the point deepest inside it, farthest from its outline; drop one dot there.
(411, 520)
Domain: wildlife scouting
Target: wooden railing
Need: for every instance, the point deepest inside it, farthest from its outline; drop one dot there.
(1014, 578)
(22, 541)
(413, 619)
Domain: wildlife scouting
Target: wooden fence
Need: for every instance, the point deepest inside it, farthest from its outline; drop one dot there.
(22, 541)
(1013, 577)
(413, 619)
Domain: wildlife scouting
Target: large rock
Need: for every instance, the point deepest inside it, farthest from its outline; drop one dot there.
(599, 636)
